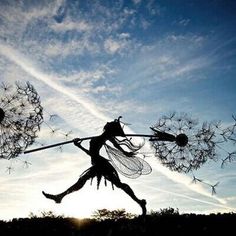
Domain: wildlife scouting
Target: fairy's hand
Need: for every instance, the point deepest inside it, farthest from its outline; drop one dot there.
(77, 141)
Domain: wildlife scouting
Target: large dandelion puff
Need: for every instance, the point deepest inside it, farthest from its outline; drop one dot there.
(21, 114)
(194, 144)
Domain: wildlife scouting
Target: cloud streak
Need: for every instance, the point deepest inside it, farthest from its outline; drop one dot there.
(183, 179)
(195, 199)
(28, 67)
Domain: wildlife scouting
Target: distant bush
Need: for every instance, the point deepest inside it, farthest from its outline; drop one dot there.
(104, 214)
(165, 212)
(45, 214)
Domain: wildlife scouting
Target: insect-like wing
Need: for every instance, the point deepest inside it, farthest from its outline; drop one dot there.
(131, 167)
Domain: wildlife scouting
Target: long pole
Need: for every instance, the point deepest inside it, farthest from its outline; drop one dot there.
(54, 145)
(168, 137)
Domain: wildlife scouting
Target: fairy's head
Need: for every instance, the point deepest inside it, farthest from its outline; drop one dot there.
(114, 128)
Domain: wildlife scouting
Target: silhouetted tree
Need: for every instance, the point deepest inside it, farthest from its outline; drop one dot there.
(105, 214)
(165, 211)
(45, 214)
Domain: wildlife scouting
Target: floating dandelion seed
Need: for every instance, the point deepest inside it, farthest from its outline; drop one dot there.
(195, 179)
(52, 117)
(9, 169)
(194, 144)
(213, 186)
(26, 164)
(67, 135)
(21, 114)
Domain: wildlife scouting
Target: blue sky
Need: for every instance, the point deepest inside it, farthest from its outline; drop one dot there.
(92, 61)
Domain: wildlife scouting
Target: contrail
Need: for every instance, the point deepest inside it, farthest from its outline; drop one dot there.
(194, 199)
(185, 180)
(179, 178)
(29, 68)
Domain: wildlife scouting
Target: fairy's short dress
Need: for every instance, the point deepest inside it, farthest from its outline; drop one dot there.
(101, 167)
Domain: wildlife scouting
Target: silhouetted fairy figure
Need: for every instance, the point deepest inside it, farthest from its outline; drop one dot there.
(122, 157)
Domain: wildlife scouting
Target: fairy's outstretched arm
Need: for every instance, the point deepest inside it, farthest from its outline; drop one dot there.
(77, 143)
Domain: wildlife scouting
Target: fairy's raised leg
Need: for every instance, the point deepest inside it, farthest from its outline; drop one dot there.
(90, 173)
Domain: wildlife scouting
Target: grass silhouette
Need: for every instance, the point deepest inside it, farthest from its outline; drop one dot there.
(120, 223)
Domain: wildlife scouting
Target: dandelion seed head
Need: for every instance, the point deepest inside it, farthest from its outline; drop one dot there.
(21, 114)
(193, 146)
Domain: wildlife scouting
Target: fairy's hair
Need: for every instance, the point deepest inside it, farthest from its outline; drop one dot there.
(128, 144)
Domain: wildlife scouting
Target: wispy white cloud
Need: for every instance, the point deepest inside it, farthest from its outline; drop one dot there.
(122, 44)
(96, 34)
(166, 62)
(74, 47)
(194, 41)
(184, 180)
(112, 46)
(95, 75)
(136, 1)
(28, 67)
(153, 7)
(182, 22)
(145, 23)
(222, 205)
(16, 18)
(93, 81)
(70, 25)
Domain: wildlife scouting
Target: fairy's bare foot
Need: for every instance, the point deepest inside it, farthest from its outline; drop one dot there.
(56, 198)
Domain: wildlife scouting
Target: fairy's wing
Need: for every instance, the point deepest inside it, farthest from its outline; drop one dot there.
(131, 167)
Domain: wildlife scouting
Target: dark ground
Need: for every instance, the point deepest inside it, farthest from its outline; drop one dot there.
(153, 224)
